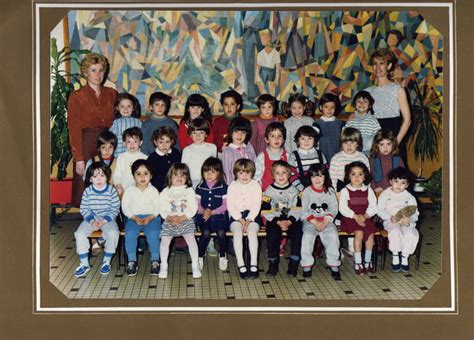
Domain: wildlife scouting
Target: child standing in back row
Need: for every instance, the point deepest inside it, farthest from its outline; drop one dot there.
(299, 110)
(127, 114)
(196, 107)
(267, 106)
(106, 143)
(232, 104)
(329, 126)
(160, 104)
(364, 120)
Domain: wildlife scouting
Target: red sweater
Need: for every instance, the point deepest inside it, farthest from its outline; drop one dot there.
(184, 139)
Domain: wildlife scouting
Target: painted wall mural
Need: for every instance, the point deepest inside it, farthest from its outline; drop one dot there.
(280, 52)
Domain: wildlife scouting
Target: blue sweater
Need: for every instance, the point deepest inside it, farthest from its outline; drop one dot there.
(152, 124)
(100, 204)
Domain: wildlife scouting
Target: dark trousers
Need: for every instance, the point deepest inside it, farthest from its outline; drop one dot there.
(274, 236)
(218, 224)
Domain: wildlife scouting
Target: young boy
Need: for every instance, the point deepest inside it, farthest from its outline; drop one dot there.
(195, 154)
(122, 176)
(275, 138)
(232, 104)
(106, 144)
(164, 156)
(100, 206)
(305, 155)
(398, 209)
(160, 107)
(267, 106)
(282, 217)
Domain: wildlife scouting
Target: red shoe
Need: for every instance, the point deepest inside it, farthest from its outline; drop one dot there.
(369, 268)
(359, 269)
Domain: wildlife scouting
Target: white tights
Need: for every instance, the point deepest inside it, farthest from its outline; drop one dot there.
(252, 232)
(190, 241)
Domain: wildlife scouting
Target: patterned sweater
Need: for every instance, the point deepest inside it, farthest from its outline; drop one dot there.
(340, 160)
(282, 198)
(99, 204)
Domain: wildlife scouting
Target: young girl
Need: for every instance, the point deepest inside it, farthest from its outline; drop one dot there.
(302, 158)
(244, 199)
(212, 217)
(384, 157)
(159, 105)
(240, 132)
(402, 234)
(178, 207)
(319, 208)
(299, 110)
(232, 104)
(267, 106)
(127, 113)
(357, 205)
(329, 126)
(106, 144)
(164, 157)
(364, 120)
(196, 107)
(100, 206)
(141, 206)
(350, 142)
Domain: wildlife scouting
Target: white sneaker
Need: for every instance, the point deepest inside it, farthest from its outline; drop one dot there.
(196, 271)
(201, 263)
(163, 271)
(223, 263)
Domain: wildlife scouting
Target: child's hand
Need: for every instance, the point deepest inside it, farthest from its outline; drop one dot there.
(360, 220)
(148, 219)
(405, 221)
(206, 214)
(80, 166)
(320, 225)
(95, 224)
(180, 219)
(137, 220)
(378, 190)
(284, 225)
(171, 220)
(393, 219)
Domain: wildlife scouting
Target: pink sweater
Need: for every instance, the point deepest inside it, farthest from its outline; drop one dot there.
(241, 197)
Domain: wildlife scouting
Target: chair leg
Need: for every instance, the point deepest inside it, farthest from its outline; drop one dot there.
(384, 252)
(375, 252)
(418, 252)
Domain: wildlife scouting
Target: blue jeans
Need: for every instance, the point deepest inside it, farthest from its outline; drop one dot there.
(152, 233)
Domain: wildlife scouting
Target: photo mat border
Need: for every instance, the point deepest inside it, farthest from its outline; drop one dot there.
(38, 308)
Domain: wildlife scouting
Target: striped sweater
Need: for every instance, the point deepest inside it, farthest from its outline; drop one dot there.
(118, 127)
(340, 160)
(100, 204)
(308, 157)
(368, 126)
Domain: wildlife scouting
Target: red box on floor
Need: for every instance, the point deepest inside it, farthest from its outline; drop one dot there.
(60, 192)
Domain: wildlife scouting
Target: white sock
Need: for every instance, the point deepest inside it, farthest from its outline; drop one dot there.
(405, 260)
(395, 259)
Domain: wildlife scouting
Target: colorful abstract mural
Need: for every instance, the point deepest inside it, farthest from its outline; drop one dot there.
(208, 52)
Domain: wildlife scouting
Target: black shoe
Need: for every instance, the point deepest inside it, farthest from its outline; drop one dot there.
(396, 267)
(273, 267)
(243, 274)
(336, 275)
(293, 267)
(405, 268)
(155, 268)
(253, 274)
(132, 268)
(307, 273)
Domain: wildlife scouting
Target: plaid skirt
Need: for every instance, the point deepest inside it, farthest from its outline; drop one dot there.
(187, 227)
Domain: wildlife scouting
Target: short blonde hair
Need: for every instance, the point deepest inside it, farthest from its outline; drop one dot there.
(351, 134)
(93, 59)
(245, 165)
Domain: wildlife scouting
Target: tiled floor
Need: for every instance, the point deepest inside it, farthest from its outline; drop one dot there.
(227, 285)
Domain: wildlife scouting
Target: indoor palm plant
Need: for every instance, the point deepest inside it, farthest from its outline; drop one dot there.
(433, 187)
(60, 91)
(426, 133)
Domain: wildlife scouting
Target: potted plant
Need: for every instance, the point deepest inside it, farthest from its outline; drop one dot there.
(433, 187)
(425, 128)
(61, 186)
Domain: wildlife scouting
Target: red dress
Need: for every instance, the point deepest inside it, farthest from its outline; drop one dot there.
(258, 133)
(358, 202)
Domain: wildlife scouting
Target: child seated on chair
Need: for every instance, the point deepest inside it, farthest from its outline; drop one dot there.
(100, 206)
(282, 218)
(244, 199)
(140, 204)
(319, 208)
(398, 210)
